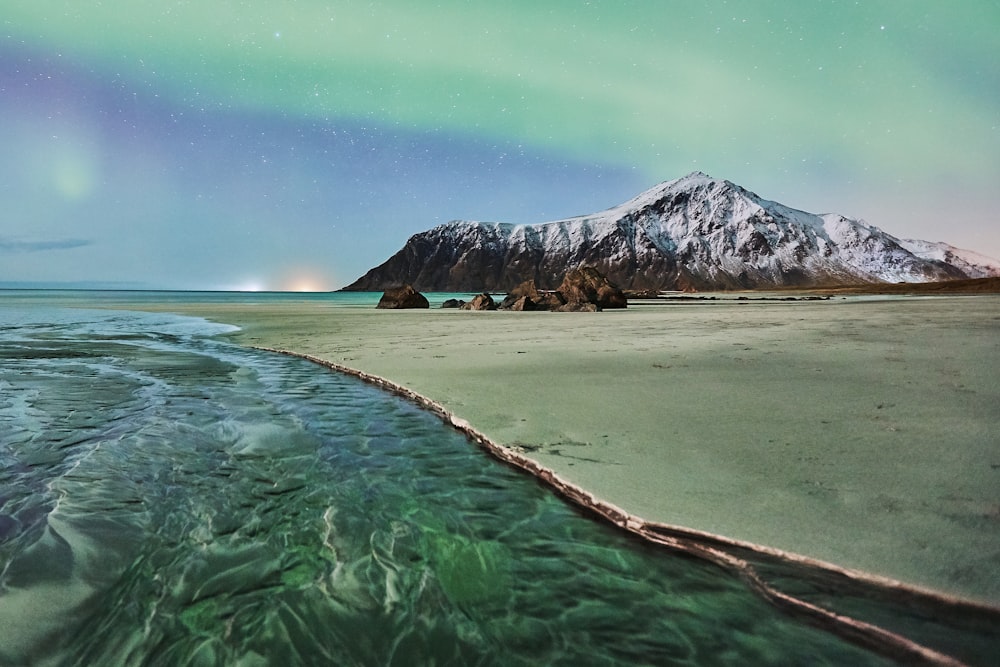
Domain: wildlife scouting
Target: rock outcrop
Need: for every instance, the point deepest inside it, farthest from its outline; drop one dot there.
(481, 302)
(527, 296)
(582, 290)
(588, 285)
(403, 297)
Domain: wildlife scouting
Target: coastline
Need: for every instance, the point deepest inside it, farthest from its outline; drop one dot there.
(882, 593)
(668, 411)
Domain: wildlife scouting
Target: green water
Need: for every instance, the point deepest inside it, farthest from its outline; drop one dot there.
(169, 500)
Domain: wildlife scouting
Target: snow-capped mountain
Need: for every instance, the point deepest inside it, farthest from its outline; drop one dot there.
(695, 232)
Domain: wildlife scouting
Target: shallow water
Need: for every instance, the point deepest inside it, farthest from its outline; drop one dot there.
(166, 498)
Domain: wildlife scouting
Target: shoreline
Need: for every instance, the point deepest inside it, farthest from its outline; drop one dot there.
(753, 420)
(720, 550)
(839, 456)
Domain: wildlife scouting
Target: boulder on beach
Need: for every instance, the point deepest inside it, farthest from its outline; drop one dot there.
(520, 304)
(527, 296)
(584, 289)
(481, 302)
(453, 303)
(588, 285)
(402, 297)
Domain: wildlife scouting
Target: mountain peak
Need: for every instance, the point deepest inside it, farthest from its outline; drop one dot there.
(696, 179)
(694, 175)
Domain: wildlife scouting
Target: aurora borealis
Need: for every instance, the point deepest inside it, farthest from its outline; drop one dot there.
(293, 145)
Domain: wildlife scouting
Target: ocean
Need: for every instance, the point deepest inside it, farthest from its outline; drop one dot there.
(169, 498)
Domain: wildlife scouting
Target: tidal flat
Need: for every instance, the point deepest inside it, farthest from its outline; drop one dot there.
(170, 498)
(861, 431)
(858, 432)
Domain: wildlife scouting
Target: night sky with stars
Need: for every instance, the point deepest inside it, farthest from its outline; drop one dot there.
(294, 144)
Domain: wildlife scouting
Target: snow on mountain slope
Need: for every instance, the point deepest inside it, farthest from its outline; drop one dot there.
(694, 232)
(971, 263)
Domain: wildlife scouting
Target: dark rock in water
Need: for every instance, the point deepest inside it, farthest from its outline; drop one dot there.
(588, 285)
(481, 302)
(402, 297)
(453, 303)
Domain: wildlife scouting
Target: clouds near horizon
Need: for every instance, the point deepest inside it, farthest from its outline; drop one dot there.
(8, 245)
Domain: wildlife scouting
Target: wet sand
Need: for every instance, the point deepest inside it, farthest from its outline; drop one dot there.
(863, 431)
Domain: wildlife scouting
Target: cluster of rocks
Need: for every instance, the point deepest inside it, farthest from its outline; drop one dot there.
(582, 290)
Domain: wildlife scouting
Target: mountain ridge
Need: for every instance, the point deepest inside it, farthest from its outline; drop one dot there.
(693, 233)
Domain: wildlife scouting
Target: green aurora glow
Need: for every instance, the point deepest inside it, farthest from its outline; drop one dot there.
(863, 108)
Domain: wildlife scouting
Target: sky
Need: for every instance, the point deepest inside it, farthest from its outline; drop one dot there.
(294, 144)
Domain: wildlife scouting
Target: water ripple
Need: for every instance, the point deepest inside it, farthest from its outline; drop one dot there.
(167, 499)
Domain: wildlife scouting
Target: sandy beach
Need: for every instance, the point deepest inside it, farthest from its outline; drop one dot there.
(862, 431)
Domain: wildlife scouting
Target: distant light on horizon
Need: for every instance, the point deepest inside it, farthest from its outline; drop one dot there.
(305, 280)
(298, 279)
(305, 287)
(246, 286)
